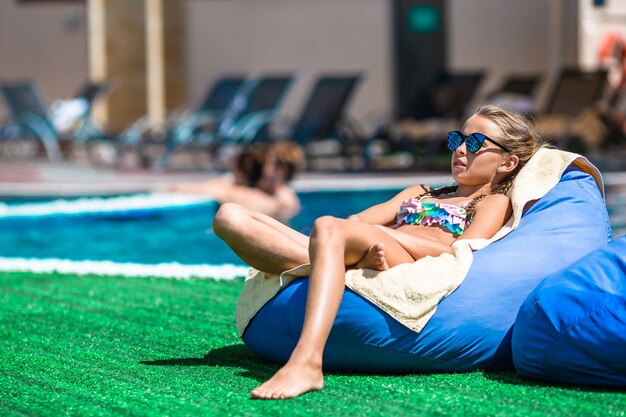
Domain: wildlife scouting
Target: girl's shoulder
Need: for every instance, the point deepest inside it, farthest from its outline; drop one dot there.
(420, 189)
(494, 200)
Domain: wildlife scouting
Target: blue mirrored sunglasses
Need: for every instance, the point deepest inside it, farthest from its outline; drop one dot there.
(473, 142)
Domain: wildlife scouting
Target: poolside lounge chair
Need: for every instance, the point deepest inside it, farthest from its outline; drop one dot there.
(90, 91)
(520, 84)
(575, 90)
(87, 129)
(615, 119)
(323, 118)
(572, 108)
(517, 92)
(182, 124)
(436, 109)
(447, 96)
(30, 116)
(255, 102)
(182, 129)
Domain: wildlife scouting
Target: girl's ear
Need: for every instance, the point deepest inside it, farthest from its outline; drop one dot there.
(509, 164)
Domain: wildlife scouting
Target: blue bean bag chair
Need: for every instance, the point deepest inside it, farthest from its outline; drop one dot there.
(471, 329)
(572, 327)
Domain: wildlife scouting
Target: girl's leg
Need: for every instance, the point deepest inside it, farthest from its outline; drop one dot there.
(259, 240)
(334, 244)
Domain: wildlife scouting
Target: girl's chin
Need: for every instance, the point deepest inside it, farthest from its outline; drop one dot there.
(458, 171)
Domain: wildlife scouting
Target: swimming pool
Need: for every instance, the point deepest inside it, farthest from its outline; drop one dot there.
(176, 232)
(145, 234)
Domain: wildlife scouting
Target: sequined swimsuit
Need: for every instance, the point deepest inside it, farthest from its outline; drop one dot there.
(428, 213)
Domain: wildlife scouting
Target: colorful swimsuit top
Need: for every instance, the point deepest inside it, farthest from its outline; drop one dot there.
(429, 213)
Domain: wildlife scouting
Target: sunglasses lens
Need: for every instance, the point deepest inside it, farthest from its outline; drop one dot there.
(474, 142)
(454, 140)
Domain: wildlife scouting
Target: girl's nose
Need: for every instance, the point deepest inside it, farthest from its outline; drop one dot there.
(462, 149)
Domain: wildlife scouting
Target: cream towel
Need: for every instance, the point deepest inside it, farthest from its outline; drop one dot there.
(410, 293)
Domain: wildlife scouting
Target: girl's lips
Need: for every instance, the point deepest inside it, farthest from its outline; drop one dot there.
(458, 164)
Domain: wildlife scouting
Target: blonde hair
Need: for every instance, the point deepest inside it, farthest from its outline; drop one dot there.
(518, 134)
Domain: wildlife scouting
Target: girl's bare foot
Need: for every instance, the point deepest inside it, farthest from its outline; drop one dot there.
(290, 381)
(374, 258)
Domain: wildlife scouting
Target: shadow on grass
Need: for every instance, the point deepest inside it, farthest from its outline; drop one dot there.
(238, 356)
(233, 356)
(511, 378)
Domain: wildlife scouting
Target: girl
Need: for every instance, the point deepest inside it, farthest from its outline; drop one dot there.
(486, 155)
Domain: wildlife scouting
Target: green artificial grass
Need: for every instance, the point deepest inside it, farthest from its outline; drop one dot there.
(101, 346)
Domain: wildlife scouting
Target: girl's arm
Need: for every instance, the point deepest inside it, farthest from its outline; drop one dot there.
(283, 204)
(417, 246)
(203, 187)
(385, 213)
(491, 214)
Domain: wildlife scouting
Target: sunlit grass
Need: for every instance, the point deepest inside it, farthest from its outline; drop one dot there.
(105, 346)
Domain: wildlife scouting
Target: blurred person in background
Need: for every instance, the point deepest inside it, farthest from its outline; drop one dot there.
(259, 179)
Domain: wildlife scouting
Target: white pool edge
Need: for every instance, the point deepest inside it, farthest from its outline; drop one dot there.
(131, 270)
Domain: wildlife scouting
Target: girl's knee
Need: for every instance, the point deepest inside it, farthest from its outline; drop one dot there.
(228, 217)
(325, 225)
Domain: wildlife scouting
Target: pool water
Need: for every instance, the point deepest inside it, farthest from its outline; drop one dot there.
(181, 234)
